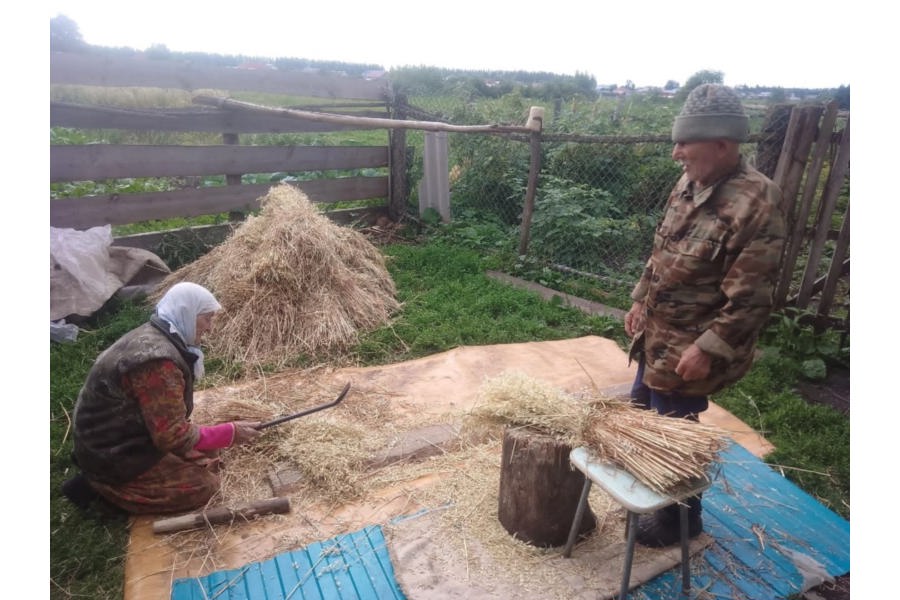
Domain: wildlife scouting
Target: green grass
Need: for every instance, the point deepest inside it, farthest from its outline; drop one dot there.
(447, 301)
(87, 548)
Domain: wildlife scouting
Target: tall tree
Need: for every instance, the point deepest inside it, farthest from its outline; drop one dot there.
(64, 35)
(699, 78)
(842, 97)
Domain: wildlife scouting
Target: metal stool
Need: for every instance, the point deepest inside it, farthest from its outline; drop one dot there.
(637, 499)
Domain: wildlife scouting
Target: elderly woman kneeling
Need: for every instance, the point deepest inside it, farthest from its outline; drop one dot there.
(134, 441)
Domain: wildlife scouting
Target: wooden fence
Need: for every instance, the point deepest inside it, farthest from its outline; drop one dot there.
(809, 160)
(98, 162)
(813, 171)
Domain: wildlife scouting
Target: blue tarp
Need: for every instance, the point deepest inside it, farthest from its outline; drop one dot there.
(354, 566)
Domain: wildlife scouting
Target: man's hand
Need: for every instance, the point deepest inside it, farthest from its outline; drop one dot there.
(634, 319)
(694, 364)
(245, 431)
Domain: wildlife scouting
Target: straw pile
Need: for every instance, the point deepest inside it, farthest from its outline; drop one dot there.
(517, 400)
(661, 452)
(291, 283)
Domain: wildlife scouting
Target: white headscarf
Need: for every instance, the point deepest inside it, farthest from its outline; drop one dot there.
(180, 307)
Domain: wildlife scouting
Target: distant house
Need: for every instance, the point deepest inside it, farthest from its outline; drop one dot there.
(373, 75)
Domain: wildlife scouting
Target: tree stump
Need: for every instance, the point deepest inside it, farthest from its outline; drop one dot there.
(539, 491)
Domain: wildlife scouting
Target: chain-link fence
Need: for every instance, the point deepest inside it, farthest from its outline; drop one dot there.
(606, 172)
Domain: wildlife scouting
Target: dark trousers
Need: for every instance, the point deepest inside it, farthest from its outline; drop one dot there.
(671, 404)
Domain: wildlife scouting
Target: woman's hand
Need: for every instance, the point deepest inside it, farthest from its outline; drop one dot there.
(245, 431)
(634, 319)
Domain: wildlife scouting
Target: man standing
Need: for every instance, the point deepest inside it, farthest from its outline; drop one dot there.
(707, 289)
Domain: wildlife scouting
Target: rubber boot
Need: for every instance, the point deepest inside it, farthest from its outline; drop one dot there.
(662, 528)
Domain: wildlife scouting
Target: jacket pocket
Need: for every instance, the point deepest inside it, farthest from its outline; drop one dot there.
(697, 248)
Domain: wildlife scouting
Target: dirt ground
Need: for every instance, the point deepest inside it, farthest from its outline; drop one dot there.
(833, 392)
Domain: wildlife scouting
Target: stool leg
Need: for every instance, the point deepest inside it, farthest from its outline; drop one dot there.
(579, 514)
(685, 552)
(631, 521)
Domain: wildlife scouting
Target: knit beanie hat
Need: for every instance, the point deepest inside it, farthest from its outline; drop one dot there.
(711, 112)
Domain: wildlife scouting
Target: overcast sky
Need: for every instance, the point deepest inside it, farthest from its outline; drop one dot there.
(766, 42)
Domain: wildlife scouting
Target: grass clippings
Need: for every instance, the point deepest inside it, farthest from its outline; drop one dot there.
(291, 283)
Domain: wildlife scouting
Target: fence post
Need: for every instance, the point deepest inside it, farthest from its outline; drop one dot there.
(399, 192)
(434, 189)
(536, 124)
(231, 139)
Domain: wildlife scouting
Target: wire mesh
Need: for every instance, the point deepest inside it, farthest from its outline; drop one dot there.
(606, 172)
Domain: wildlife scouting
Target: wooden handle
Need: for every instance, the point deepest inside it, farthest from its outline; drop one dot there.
(223, 514)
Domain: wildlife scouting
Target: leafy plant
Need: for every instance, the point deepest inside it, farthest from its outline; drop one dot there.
(791, 331)
(585, 227)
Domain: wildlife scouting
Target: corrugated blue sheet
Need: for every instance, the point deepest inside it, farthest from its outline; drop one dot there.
(763, 526)
(355, 566)
(761, 523)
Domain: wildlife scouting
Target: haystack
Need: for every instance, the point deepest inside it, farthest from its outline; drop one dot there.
(291, 282)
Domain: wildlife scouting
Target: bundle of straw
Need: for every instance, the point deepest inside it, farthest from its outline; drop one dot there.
(661, 452)
(291, 282)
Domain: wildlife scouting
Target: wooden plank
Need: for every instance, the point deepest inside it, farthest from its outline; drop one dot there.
(91, 211)
(826, 207)
(839, 267)
(95, 162)
(210, 235)
(213, 235)
(793, 167)
(800, 218)
(140, 71)
(79, 116)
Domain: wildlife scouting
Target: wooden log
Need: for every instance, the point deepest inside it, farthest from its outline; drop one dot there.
(539, 491)
(222, 514)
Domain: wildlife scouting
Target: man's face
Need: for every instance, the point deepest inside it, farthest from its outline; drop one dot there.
(703, 162)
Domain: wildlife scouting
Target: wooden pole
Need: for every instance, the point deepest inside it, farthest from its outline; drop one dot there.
(399, 166)
(231, 139)
(360, 122)
(223, 514)
(536, 122)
